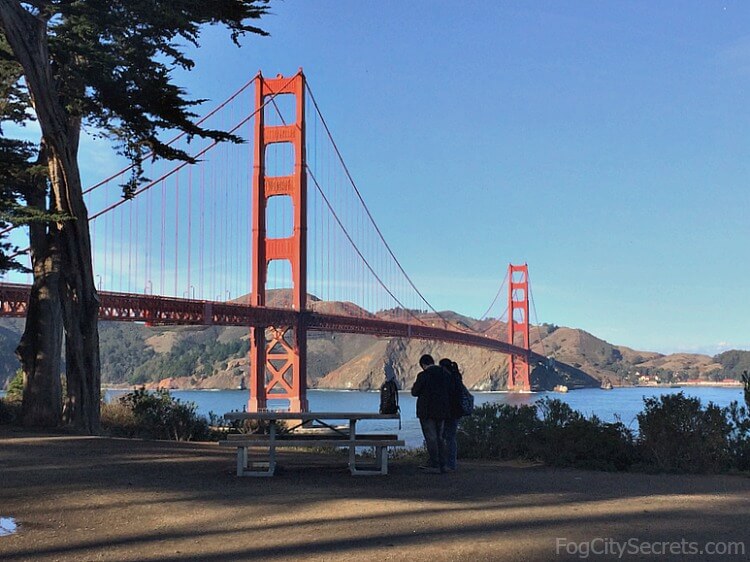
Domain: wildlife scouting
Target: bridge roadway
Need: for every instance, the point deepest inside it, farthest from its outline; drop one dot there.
(158, 310)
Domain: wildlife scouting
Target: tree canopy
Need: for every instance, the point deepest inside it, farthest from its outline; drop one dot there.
(107, 65)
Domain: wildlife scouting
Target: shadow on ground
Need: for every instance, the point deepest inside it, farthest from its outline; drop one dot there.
(78, 498)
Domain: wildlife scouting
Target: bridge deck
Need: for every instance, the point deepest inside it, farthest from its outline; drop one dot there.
(158, 310)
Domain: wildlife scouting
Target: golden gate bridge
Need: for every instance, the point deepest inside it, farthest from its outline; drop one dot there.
(279, 211)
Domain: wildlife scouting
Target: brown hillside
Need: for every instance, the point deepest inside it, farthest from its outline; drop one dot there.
(692, 365)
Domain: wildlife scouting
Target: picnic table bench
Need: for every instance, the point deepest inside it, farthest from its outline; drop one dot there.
(314, 429)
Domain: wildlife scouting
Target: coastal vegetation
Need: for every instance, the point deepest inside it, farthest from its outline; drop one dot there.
(676, 433)
(154, 415)
(10, 404)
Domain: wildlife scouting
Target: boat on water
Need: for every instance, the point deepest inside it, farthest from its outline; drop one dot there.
(560, 388)
(606, 385)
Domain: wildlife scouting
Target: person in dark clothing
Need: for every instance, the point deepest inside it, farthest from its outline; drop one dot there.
(432, 389)
(450, 427)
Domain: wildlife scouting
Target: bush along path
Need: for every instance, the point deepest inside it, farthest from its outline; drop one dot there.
(676, 433)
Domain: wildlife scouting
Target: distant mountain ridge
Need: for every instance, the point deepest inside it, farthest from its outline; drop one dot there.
(216, 357)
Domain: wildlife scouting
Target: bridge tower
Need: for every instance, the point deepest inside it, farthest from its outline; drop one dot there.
(278, 363)
(518, 324)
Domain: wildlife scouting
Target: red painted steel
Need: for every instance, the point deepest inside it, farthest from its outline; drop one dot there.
(156, 310)
(14, 299)
(278, 351)
(518, 325)
(278, 364)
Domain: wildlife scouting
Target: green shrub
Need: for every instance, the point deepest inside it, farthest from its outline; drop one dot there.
(550, 431)
(118, 420)
(154, 415)
(677, 434)
(10, 405)
(15, 387)
(10, 411)
(567, 438)
(739, 436)
(497, 431)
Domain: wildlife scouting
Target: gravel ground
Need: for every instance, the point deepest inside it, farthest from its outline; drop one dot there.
(90, 498)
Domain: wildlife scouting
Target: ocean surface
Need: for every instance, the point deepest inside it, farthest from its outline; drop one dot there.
(619, 404)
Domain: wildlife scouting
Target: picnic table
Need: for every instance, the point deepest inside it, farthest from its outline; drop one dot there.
(313, 429)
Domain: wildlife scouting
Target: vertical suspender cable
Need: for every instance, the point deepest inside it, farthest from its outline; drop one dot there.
(176, 231)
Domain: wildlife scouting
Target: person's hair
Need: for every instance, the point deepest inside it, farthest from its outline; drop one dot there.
(426, 360)
(446, 364)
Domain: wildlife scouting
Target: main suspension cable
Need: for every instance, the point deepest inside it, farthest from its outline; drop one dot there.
(367, 210)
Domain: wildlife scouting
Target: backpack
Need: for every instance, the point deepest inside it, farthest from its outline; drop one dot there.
(465, 401)
(389, 398)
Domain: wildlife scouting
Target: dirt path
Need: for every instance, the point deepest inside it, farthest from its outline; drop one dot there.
(111, 499)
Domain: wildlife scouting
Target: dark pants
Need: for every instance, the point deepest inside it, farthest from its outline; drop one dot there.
(433, 440)
(449, 435)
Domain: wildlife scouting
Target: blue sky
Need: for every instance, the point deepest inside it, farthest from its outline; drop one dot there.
(604, 143)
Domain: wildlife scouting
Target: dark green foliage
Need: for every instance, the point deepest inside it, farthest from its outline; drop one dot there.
(677, 434)
(14, 159)
(113, 60)
(9, 363)
(567, 438)
(739, 436)
(22, 170)
(189, 356)
(498, 431)
(10, 405)
(107, 65)
(123, 350)
(15, 387)
(560, 437)
(181, 361)
(127, 358)
(14, 99)
(10, 411)
(154, 415)
(734, 362)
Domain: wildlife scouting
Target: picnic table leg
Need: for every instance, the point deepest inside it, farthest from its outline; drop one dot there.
(243, 464)
(272, 448)
(241, 460)
(352, 448)
(381, 456)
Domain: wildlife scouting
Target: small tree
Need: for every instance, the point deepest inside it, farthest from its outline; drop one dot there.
(15, 387)
(105, 63)
(676, 433)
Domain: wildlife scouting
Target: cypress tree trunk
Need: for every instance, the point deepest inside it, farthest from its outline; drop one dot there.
(26, 34)
(39, 349)
(80, 302)
(39, 353)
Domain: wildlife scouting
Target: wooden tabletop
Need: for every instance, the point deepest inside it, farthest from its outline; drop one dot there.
(304, 416)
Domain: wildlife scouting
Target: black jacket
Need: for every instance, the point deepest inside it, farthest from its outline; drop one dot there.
(433, 389)
(456, 387)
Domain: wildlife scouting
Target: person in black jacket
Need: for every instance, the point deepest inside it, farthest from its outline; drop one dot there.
(432, 389)
(450, 426)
